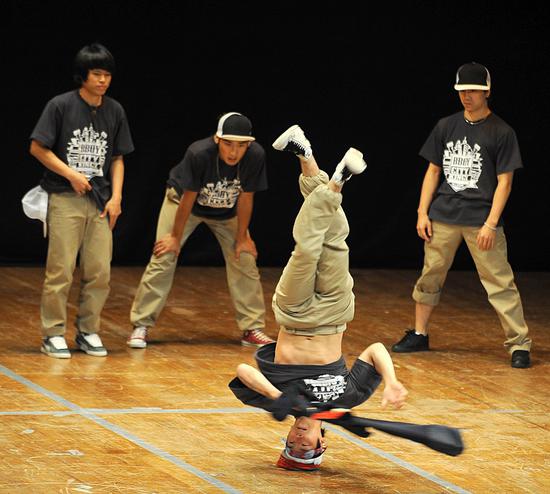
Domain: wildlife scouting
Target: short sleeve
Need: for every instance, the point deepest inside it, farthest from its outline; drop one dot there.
(46, 130)
(508, 153)
(123, 143)
(188, 173)
(432, 150)
(255, 179)
(363, 380)
(247, 395)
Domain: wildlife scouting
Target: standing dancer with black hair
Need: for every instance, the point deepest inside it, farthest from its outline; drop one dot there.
(81, 138)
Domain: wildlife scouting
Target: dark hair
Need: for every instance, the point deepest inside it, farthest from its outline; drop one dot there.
(94, 56)
(323, 432)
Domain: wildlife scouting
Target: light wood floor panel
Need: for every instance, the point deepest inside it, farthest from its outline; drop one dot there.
(72, 454)
(162, 420)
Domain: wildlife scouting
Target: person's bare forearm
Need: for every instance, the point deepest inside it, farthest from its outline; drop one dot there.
(252, 378)
(49, 159)
(429, 186)
(394, 392)
(182, 214)
(500, 198)
(377, 356)
(245, 204)
(117, 177)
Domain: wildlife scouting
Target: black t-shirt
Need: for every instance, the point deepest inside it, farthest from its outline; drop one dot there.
(218, 184)
(82, 136)
(331, 382)
(471, 157)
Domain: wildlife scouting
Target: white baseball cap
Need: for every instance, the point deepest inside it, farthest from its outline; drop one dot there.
(35, 205)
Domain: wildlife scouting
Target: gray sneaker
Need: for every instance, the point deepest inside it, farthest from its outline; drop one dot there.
(91, 344)
(294, 140)
(55, 346)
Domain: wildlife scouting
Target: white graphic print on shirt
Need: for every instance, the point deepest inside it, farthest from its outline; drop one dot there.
(327, 387)
(462, 165)
(86, 151)
(222, 195)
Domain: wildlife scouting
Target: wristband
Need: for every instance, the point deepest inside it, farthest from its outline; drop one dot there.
(490, 227)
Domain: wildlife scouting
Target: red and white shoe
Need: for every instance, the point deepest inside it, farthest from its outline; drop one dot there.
(138, 338)
(256, 338)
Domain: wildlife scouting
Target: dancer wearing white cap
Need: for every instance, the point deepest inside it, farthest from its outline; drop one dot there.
(213, 184)
(478, 153)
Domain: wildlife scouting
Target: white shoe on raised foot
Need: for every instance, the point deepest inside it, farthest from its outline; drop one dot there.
(352, 164)
(295, 141)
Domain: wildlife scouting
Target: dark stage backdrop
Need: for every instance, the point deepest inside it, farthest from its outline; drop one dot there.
(353, 74)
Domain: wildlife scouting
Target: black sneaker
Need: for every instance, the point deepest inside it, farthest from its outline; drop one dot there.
(294, 140)
(412, 342)
(521, 359)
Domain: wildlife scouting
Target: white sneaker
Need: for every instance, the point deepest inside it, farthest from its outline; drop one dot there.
(138, 337)
(352, 164)
(294, 140)
(91, 344)
(55, 346)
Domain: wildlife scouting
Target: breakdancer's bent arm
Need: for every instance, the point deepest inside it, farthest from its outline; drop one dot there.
(252, 378)
(377, 356)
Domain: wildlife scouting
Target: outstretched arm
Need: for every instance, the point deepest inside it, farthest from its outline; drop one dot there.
(255, 380)
(394, 392)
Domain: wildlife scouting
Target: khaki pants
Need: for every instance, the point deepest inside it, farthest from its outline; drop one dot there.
(314, 294)
(494, 272)
(243, 277)
(74, 227)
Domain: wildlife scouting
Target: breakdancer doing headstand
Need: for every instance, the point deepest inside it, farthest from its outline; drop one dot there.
(313, 302)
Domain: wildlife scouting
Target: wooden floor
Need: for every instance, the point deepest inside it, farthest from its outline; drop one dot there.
(162, 420)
